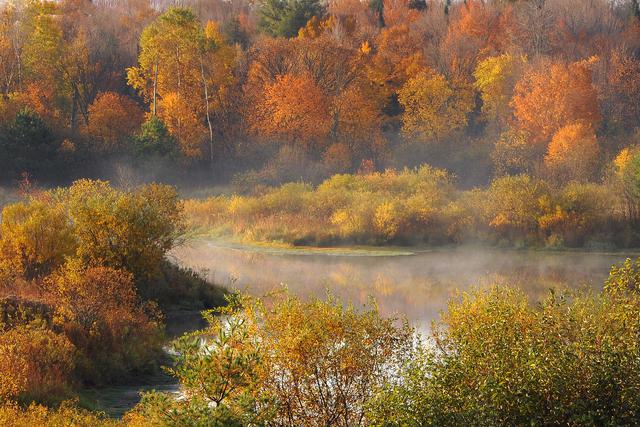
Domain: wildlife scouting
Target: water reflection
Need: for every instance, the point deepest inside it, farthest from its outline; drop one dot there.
(417, 285)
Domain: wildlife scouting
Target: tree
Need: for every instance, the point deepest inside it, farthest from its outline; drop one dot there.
(28, 145)
(113, 119)
(294, 110)
(185, 71)
(513, 154)
(626, 178)
(546, 99)
(35, 238)
(433, 107)
(620, 91)
(572, 153)
(284, 18)
(154, 140)
(496, 77)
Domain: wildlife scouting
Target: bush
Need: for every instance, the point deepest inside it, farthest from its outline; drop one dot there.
(66, 415)
(98, 309)
(496, 359)
(35, 365)
(284, 362)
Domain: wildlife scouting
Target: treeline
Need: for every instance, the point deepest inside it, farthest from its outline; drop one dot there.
(83, 286)
(305, 89)
(424, 206)
(494, 358)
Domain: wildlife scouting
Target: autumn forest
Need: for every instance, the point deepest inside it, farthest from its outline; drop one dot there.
(130, 128)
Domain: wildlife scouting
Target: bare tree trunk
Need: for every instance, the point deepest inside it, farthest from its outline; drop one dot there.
(206, 103)
(155, 90)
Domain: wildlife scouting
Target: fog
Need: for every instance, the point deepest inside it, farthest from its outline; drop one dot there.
(414, 284)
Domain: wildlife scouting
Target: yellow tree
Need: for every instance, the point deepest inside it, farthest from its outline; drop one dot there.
(496, 77)
(191, 65)
(433, 107)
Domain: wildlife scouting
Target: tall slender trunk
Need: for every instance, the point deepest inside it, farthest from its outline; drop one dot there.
(74, 102)
(155, 90)
(206, 103)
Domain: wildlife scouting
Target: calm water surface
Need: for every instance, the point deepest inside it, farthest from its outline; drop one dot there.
(412, 284)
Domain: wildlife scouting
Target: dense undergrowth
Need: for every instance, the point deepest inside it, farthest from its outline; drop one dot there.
(84, 285)
(495, 357)
(423, 206)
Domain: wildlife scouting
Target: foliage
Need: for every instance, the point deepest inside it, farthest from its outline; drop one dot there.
(285, 362)
(154, 140)
(495, 79)
(572, 153)
(35, 237)
(36, 364)
(433, 107)
(66, 415)
(545, 100)
(130, 230)
(28, 145)
(283, 18)
(98, 309)
(495, 358)
(112, 119)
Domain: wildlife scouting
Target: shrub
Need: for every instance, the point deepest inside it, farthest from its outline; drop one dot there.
(285, 362)
(35, 364)
(35, 237)
(98, 309)
(66, 415)
(496, 359)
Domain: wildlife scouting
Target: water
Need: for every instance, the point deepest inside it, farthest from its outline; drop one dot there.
(414, 284)
(407, 283)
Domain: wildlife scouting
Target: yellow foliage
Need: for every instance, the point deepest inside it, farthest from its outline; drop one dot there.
(35, 364)
(495, 78)
(35, 237)
(433, 107)
(67, 415)
(183, 122)
(386, 220)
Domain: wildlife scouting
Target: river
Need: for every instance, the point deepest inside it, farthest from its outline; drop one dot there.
(410, 283)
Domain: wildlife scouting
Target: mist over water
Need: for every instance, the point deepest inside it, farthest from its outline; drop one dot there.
(417, 286)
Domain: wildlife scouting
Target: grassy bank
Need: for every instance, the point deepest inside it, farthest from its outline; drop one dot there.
(421, 207)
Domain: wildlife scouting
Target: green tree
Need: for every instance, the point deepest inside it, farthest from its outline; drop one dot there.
(154, 140)
(28, 145)
(284, 18)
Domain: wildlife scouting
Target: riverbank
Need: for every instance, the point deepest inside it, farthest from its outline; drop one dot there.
(116, 400)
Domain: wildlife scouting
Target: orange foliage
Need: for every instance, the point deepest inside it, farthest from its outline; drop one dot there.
(397, 59)
(573, 152)
(293, 109)
(98, 310)
(183, 122)
(548, 98)
(34, 364)
(624, 82)
(113, 118)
